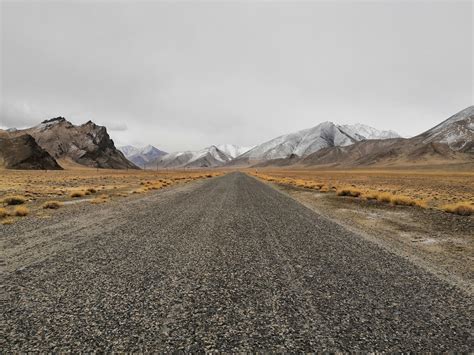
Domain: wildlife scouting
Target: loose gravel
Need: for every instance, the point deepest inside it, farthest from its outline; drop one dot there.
(227, 264)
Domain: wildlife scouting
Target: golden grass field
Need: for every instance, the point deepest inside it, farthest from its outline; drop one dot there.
(24, 192)
(450, 191)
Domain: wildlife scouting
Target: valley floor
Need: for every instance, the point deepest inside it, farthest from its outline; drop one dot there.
(228, 264)
(431, 187)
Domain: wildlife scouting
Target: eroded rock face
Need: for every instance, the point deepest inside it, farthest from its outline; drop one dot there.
(22, 152)
(87, 144)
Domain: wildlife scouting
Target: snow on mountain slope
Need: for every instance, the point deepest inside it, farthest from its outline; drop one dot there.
(205, 158)
(213, 152)
(129, 150)
(299, 143)
(141, 156)
(233, 150)
(367, 132)
(457, 131)
(308, 141)
(451, 142)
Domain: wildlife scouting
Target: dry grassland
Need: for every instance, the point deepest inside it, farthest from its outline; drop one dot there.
(449, 191)
(40, 190)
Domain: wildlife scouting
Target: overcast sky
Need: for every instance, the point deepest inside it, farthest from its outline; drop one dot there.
(185, 75)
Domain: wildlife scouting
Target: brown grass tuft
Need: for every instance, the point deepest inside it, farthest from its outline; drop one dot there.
(348, 191)
(370, 195)
(384, 197)
(421, 203)
(14, 200)
(324, 189)
(460, 208)
(77, 193)
(3, 213)
(100, 199)
(54, 205)
(21, 211)
(7, 221)
(402, 200)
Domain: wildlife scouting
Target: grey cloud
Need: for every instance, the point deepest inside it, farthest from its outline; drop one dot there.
(17, 115)
(117, 127)
(184, 75)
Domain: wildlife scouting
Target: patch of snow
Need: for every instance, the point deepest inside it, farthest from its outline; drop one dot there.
(367, 132)
(457, 131)
(233, 150)
(211, 155)
(128, 150)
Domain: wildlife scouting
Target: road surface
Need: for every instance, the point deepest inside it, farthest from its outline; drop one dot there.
(225, 264)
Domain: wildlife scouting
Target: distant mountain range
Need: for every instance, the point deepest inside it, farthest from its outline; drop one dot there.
(450, 142)
(57, 142)
(209, 157)
(141, 156)
(299, 144)
(305, 142)
(151, 157)
(232, 150)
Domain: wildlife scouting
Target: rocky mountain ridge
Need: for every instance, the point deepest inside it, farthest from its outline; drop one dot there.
(87, 144)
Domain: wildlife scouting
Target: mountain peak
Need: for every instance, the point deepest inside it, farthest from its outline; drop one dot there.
(457, 131)
(55, 120)
(89, 123)
(86, 144)
(233, 150)
(468, 112)
(141, 156)
(208, 157)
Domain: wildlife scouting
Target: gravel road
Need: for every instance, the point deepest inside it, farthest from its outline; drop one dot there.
(224, 264)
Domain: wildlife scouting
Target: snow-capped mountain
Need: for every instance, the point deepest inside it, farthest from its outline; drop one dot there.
(209, 157)
(141, 156)
(233, 150)
(457, 131)
(366, 132)
(129, 150)
(449, 143)
(307, 141)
